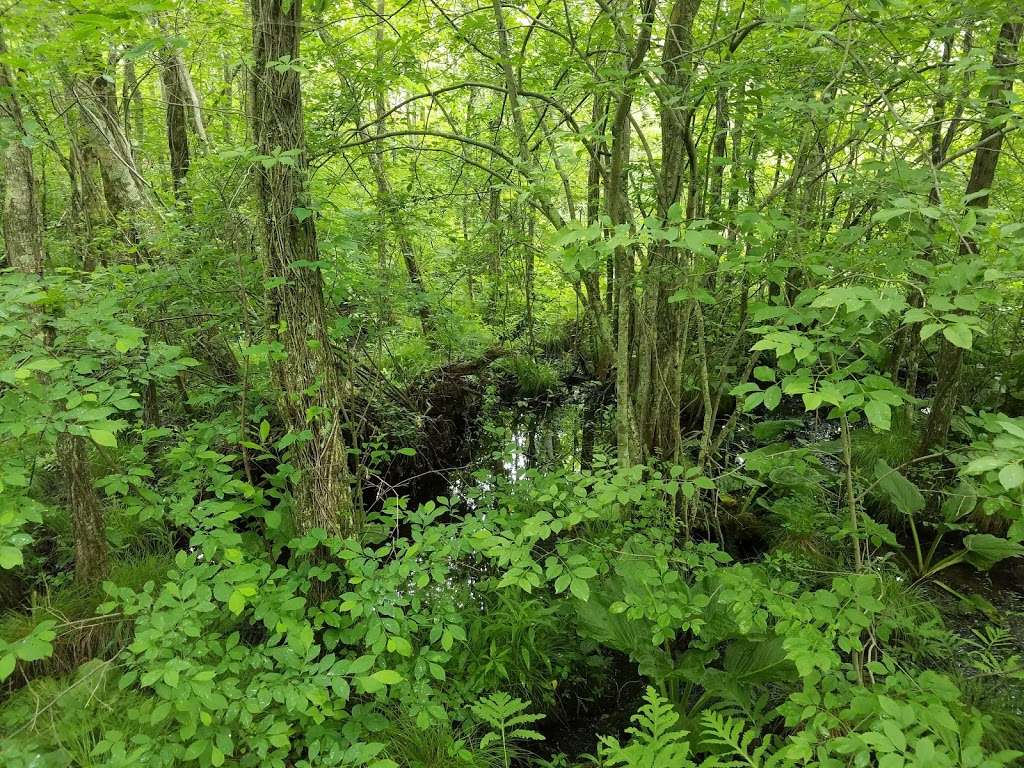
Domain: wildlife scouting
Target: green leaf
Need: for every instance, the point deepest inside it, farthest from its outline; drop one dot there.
(171, 677)
(10, 557)
(236, 602)
(772, 397)
(901, 492)
(983, 550)
(879, 414)
(400, 645)
(103, 437)
(7, 662)
(983, 464)
(752, 401)
(33, 648)
(812, 400)
(959, 335)
(387, 676)
(362, 664)
(195, 749)
(580, 589)
(1011, 476)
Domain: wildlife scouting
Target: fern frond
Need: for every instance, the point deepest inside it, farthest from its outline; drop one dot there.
(739, 741)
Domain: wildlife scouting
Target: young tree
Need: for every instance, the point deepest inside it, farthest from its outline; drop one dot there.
(983, 173)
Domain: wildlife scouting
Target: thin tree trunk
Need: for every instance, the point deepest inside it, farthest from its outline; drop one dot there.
(176, 118)
(983, 172)
(88, 524)
(228, 103)
(123, 186)
(131, 101)
(23, 231)
(23, 239)
(194, 106)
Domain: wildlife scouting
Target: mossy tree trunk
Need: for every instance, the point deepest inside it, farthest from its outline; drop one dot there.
(307, 372)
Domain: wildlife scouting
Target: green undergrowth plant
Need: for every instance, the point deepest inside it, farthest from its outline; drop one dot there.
(58, 721)
(508, 721)
(526, 645)
(929, 558)
(528, 376)
(440, 745)
(236, 659)
(69, 614)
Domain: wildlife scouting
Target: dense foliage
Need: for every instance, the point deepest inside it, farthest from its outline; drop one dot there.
(595, 383)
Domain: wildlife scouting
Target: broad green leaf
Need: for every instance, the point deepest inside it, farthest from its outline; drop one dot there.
(879, 414)
(236, 602)
(103, 437)
(903, 494)
(399, 645)
(580, 589)
(1011, 476)
(959, 335)
(983, 550)
(10, 557)
(387, 676)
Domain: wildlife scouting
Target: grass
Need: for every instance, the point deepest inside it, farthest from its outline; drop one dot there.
(528, 377)
(81, 634)
(440, 745)
(57, 721)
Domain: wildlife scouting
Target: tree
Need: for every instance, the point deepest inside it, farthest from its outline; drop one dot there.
(979, 185)
(23, 233)
(306, 370)
(24, 243)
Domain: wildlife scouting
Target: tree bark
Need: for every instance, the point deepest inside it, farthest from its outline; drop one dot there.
(131, 100)
(88, 524)
(617, 206)
(23, 231)
(307, 373)
(176, 102)
(123, 186)
(658, 358)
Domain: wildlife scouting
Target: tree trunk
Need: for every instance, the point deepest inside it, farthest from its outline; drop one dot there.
(176, 101)
(23, 232)
(88, 524)
(617, 206)
(23, 239)
(307, 374)
(131, 100)
(227, 104)
(983, 173)
(657, 362)
(123, 186)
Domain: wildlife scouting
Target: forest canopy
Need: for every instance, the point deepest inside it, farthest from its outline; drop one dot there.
(534, 383)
